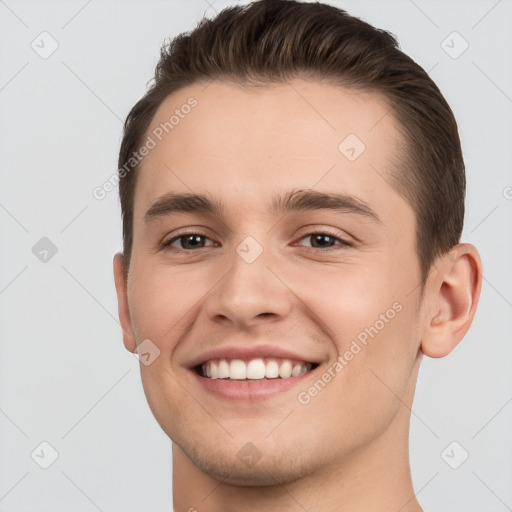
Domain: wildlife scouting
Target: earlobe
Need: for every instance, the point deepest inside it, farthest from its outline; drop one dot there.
(454, 291)
(122, 303)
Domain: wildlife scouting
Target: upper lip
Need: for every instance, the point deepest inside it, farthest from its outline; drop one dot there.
(259, 351)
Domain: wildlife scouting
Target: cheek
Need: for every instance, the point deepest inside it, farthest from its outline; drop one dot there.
(346, 300)
(371, 323)
(363, 390)
(147, 301)
(161, 299)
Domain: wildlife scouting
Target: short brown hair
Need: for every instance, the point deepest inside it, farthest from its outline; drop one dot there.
(271, 41)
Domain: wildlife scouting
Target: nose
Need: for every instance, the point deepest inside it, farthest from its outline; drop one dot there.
(250, 293)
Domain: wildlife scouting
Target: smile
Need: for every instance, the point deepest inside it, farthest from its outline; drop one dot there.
(256, 369)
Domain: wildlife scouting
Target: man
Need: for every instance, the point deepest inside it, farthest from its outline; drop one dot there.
(292, 190)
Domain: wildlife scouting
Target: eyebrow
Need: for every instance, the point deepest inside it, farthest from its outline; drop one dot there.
(296, 200)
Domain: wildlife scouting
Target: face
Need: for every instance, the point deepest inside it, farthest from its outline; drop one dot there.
(300, 250)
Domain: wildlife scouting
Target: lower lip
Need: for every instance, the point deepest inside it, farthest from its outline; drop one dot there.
(237, 390)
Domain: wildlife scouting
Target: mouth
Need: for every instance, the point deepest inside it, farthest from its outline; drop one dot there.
(253, 370)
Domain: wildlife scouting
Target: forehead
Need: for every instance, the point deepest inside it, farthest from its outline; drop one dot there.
(238, 143)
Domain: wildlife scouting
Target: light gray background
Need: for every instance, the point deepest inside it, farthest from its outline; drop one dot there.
(65, 377)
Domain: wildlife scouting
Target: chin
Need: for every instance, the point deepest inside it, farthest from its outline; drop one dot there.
(229, 469)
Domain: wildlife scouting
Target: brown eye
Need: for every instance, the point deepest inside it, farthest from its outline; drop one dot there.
(321, 240)
(187, 242)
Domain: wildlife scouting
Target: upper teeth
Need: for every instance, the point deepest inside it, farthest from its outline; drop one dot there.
(254, 369)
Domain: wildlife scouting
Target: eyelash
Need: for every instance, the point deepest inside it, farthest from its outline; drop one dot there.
(343, 243)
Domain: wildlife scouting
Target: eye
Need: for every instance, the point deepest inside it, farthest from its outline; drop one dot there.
(325, 240)
(187, 241)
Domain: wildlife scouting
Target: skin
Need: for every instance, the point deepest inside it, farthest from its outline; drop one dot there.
(347, 449)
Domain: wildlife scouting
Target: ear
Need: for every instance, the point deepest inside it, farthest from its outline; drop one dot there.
(122, 303)
(454, 293)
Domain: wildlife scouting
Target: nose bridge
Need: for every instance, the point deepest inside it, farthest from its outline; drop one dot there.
(250, 289)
